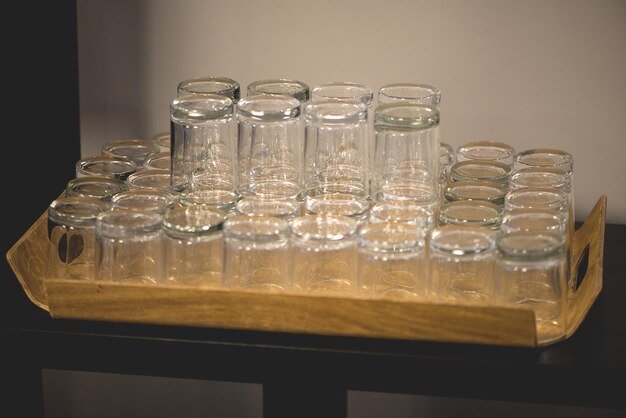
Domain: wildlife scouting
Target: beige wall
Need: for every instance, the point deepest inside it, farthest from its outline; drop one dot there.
(531, 73)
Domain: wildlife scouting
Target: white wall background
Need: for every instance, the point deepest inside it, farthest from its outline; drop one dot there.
(530, 73)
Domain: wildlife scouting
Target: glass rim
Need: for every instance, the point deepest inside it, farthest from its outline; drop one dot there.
(503, 170)
(182, 222)
(126, 166)
(289, 87)
(508, 152)
(269, 107)
(216, 85)
(564, 158)
(419, 92)
(335, 111)
(84, 213)
(485, 213)
(544, 244)
(109, 186)
(194, 108)
(405, 115)
(343, 90)
(478, 239)
(125, 223)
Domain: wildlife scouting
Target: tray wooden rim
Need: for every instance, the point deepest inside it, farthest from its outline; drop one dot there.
(324, 315)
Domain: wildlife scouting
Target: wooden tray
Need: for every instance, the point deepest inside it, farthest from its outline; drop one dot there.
(322, 315)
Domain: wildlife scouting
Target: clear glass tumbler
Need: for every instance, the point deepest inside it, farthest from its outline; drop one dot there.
(461, 264)
(203, 147)
(256, 253)
(194, 246)
(336, 149)
(129, 247)
(270, 153)
(392, 261)
(323, 253)
(71, 231)
(406, 153)
(530, 272)
(350, 91)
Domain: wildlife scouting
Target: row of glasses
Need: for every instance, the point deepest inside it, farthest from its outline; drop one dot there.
(287, 148)
(534, 237)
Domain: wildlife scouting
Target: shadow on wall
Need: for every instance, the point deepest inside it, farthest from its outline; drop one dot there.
(113, 68)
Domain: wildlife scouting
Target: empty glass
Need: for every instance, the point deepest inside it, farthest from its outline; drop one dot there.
(530, 272)
(203, 146)
(336, 149)
(461, 264)
(406, 153)
(323, 253)
(392, 261)
(350, 91)
(194, 246)
(270, 150)
(256, 253)
(129, 247)
(71, 230)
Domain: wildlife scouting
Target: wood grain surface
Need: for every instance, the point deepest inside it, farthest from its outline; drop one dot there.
(297, 313)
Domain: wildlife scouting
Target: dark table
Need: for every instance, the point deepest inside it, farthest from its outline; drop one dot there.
(313, 373)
